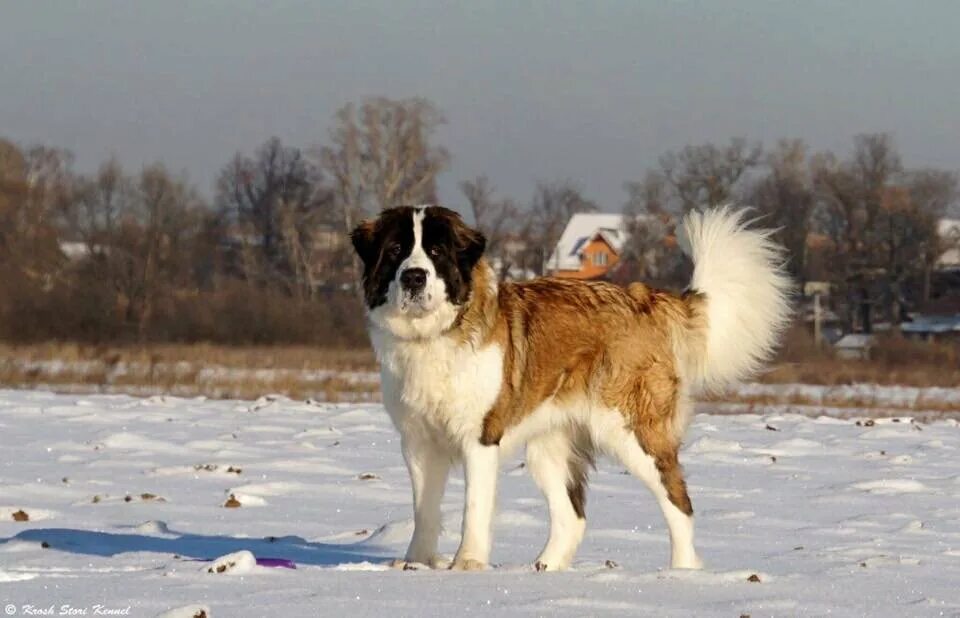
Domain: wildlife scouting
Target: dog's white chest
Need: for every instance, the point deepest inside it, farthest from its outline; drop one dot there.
(447, 385)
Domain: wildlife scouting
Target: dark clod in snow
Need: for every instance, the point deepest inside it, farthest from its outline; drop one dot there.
(772, 428)
(540, 566)
(128, 499)
(45, 545)
(20, 515)
(200, 614)
(232, 502)
(96, 499)
(755, 579)
(368, 476)
(773, 458)
(221, 568)
(234, 470)
(610, 564)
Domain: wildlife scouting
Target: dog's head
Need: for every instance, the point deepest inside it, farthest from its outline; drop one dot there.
(417, 268)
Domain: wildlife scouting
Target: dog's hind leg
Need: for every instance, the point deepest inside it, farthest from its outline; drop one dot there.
(560, 469)
(660, 471)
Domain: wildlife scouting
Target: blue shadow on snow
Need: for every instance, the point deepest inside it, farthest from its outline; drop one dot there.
(198, 546)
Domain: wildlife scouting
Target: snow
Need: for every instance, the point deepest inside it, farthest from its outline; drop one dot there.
(880, 400)
(796, 515)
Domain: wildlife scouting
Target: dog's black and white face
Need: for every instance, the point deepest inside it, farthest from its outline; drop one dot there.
(417, 266)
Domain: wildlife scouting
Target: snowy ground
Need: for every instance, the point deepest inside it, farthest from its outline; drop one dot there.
(120, 495)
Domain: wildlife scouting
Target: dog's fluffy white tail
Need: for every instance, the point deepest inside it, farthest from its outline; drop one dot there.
(743, 303)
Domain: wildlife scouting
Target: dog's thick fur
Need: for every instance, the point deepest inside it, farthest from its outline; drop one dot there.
(472, 368)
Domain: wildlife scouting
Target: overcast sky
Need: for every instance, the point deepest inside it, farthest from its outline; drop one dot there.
(592, 91)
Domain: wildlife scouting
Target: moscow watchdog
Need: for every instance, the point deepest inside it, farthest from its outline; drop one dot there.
(472, 369)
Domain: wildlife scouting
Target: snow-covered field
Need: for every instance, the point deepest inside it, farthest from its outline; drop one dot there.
(120, 496)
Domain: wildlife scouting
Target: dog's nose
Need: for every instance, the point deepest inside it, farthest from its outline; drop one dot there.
(413, 279)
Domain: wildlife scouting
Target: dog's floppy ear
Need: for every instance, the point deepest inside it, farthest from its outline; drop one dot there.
(362, 238)
(476, 243)
(470, 244)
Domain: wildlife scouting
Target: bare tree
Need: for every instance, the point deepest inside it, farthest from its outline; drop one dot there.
(277, 198)
(496, 218)
(785, 197)
(381, 155)
(651, 252)
(708, 175)
(932, 194)
(552, 207)
(34, 185)
(882, 220)
(98, 203)
(154, 242)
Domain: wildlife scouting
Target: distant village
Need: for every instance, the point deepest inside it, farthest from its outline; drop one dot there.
(592, 247)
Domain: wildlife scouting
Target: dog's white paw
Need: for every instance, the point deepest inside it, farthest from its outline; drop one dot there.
(436, 562)
(468, 564)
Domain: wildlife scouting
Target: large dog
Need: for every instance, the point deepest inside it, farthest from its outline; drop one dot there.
(472, 368)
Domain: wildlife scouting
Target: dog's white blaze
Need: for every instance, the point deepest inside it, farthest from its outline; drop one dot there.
(402, 316)
(435, 291)
(418, 257)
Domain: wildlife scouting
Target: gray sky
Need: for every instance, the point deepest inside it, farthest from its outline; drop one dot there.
(593, 91)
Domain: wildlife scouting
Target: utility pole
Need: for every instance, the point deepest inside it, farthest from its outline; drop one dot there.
(817, 321)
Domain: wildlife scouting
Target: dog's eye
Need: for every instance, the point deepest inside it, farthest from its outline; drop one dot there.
(434, 250)
(393, 250)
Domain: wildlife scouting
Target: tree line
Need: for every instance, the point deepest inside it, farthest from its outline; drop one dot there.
(119, 255)
(864, 223)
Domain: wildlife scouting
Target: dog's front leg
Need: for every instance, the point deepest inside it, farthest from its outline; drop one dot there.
(428, 466)
(481, 465)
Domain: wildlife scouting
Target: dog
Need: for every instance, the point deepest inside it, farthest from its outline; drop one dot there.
(473, 368)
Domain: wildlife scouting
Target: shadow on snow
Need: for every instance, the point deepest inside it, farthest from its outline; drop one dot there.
(202, 547)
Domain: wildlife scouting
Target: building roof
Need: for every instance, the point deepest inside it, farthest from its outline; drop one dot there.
(582, 228)
(855, 341)
(932, 324)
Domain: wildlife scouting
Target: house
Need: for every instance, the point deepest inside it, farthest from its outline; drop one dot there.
(855, 346)
(932, 327)
(949, 232)
(589, 246)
